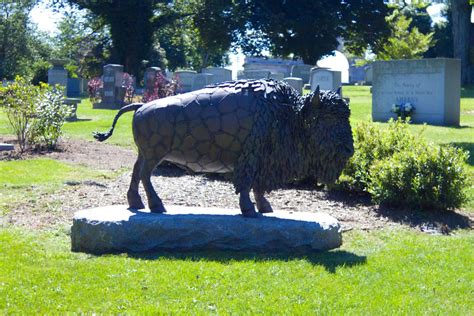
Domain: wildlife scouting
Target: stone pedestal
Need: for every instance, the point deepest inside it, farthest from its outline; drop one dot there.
(112, 93)
(113, 229)
(6, 147)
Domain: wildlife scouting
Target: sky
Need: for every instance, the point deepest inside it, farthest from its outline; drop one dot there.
(46, 20)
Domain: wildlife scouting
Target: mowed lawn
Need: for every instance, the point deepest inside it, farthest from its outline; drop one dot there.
(389, 271)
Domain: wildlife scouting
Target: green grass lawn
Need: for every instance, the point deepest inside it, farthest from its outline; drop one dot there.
(92, 120)
(382, 272)
(389, 271)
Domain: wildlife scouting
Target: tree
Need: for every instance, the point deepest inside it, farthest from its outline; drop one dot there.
(404, 43)
(132, 24)
(16, 36)
(463, 31)
(310, 29)
(84, 41)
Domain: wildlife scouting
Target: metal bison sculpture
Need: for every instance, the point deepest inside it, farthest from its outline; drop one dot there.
(261, 130)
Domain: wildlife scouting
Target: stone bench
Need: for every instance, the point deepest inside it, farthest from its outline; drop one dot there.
(115, 229)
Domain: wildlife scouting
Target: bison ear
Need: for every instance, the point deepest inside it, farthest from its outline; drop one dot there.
(315, 99)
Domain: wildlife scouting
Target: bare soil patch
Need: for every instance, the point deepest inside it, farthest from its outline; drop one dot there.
(175, 186)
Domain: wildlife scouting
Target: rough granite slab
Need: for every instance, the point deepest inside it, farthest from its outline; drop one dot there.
(113, 229)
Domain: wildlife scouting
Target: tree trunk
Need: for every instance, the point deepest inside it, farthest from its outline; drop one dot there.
(462, 43)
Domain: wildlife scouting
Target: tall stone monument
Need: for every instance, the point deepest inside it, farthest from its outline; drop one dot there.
(113, 93)
(432, 86)
(58, 75)
(150, 78)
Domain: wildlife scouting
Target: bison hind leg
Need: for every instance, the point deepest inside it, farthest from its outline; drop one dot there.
(246, 206)
(154, 202)
(263, 205)
(133, 197)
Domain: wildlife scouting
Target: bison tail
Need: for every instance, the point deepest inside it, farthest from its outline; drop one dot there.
(103, 136)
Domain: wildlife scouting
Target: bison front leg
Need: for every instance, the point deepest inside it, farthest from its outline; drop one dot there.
(263, 205)
(246, 206)
(134, 199)
(154, 202)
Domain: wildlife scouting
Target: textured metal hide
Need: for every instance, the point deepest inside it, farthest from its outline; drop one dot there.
(261, 130)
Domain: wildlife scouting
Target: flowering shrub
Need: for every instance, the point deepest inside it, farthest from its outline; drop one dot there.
(127, 84)
(50, 115)
(162, 88)
(93, 89)
(403, 111)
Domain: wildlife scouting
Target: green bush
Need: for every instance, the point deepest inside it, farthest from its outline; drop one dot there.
(36, 113)
(372, 144)
(18, 99)
(401, 169)
(424, 177)
(50, 115)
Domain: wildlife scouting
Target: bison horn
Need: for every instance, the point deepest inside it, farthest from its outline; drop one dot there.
(338, 91)
(315, 99)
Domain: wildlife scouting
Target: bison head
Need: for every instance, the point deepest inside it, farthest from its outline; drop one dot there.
(329, 145)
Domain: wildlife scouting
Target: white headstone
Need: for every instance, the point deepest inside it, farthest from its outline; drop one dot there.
(432, 86)
(185, 80)
(220, 74)
(296, 83)
(325, 78)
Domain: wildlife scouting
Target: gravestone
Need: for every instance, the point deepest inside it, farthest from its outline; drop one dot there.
(276, 76)
(302, 71)
(150, 78)
(75, 87)
(112, 229)
(432, 86)
(112, 94)
(255, 74)
(185, 80)
(58, 75)
(201, 80)
(356, 73)
(369, 73)
(272, 65)
(325, 78)
(296, 83)
(219, 74)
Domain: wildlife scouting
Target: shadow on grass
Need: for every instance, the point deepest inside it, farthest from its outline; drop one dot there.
(442, 221)
(468, 147)
(330, 260)
(78, 120)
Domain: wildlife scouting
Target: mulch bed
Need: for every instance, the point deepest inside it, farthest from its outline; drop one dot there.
(176, 186)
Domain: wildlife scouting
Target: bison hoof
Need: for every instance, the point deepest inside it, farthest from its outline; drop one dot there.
(158, 209)
(136, 205)
(250, 213)
(265, 208)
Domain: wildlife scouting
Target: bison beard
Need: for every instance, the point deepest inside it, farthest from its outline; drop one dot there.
(269, 136)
